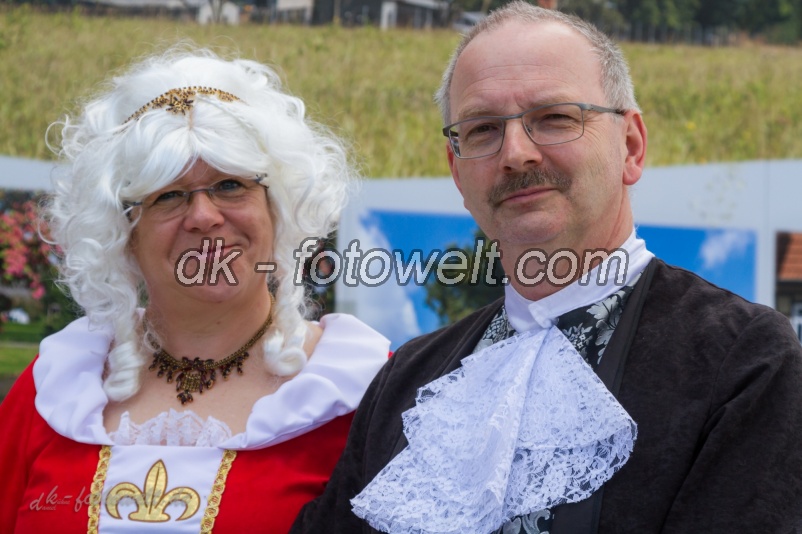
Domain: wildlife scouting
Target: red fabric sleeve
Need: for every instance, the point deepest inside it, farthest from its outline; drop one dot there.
(17, 411)
(16, 414)
(46, 478)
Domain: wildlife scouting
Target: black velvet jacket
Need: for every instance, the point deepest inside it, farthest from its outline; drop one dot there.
(714, 383)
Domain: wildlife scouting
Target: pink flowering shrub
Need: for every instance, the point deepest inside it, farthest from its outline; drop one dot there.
(24, 257)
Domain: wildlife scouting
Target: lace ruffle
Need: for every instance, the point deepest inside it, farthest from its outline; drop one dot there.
(173, 428)
(523, 425)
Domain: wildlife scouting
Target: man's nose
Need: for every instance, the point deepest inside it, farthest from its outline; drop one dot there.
(518, 152)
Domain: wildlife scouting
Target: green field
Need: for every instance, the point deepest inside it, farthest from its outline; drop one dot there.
(14, 357)
(22, 333)
(18, 346)
(374, 87)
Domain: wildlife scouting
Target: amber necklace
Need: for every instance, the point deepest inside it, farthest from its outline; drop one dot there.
(196, 375)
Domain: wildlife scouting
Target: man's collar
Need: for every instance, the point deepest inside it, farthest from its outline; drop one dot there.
(525, 315)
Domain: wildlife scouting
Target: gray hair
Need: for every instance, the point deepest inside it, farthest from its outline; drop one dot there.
(615, 79)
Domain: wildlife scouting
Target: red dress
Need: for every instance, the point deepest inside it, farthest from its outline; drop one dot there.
(54, 482)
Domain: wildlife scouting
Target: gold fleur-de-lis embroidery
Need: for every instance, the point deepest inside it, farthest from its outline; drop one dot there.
(151, 500)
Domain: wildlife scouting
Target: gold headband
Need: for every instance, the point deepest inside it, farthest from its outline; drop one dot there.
(180, 100)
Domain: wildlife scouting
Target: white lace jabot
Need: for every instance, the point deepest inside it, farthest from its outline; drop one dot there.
(522, 425)
(70, 396)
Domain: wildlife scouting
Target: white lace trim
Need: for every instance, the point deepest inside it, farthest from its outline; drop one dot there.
(523, 425)
(185, 429)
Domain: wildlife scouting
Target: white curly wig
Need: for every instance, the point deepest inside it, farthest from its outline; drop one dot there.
(111, 161)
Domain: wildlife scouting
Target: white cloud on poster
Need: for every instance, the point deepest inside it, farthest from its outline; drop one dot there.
(720, 247)
(386, 307)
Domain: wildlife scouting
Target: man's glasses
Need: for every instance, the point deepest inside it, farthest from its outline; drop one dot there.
(552, 124)
(228, 193)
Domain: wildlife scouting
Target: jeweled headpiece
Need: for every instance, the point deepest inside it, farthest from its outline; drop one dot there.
(180, 100)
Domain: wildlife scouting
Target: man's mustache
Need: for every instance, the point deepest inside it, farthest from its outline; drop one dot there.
(518, 181)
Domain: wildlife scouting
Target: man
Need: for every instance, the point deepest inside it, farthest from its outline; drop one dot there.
(504, 433)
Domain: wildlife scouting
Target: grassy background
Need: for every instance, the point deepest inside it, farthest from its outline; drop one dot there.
(14, 357)
(19, 345)
(22, 333)
(375, 88)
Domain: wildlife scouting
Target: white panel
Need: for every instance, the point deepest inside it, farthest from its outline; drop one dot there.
(287, 5)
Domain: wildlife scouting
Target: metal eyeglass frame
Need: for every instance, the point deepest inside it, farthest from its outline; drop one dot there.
(210, 192)
(453, 137)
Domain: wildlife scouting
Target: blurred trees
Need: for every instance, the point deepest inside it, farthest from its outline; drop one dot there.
(603, 14)
(672, 14)
(777, 20)
(479, 285)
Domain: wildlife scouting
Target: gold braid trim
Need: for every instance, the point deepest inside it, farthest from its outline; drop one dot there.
(180, 100)
(96, 493)
(213, 506)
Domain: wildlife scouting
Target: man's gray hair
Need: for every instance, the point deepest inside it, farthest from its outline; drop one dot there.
(615, 79)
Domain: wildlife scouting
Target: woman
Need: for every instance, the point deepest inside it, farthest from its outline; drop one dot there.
(193, 396)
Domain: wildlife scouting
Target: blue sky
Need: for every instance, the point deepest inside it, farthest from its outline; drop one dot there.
(426, 232)
(725, 257)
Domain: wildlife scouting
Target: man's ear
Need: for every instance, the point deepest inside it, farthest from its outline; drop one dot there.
(635, 140)
(452, 164)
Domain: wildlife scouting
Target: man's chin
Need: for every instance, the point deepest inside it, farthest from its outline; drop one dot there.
(532, 232)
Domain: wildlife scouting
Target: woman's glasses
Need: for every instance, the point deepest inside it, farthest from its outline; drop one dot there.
(227, 193)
